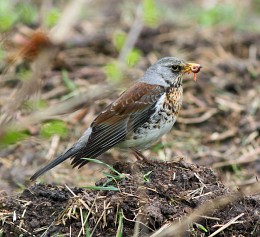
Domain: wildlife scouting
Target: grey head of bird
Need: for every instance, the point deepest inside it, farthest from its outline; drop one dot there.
(168, 72)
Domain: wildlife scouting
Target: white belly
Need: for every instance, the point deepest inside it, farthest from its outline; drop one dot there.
(148, 137)
(145, 136)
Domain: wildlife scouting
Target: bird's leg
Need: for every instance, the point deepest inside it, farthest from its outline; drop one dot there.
(139, 156)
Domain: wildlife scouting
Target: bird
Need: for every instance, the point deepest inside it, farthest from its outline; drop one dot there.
(137, 118)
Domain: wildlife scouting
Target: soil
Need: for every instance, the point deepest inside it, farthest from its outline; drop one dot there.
(159, 192)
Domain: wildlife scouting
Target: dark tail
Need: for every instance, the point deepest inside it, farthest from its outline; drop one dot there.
(55, 162)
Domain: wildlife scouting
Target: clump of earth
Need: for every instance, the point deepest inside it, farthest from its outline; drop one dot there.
(151, 193)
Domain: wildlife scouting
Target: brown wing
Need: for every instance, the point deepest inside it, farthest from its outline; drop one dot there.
(122, 117)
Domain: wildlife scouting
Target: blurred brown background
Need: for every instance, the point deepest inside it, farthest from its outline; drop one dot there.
(49, 97)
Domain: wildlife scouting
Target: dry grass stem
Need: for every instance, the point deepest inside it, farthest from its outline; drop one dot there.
(232, 221)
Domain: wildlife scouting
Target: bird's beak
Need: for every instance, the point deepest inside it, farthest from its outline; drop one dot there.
(193, 67)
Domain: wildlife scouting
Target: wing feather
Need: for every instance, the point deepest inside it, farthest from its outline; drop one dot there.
(121, 118)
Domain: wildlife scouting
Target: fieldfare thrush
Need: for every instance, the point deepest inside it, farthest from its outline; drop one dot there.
(137, 119)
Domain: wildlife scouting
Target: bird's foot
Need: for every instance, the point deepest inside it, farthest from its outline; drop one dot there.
(139, 156)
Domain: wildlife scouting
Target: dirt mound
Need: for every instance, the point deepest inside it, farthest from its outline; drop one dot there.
(151, 194)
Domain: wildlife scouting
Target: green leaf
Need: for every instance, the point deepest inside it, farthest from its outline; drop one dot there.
(201, 227)
(24, 74)
(52, 17)
(36, 104)
(146, 179)
(99, 188)
(119, 40)
(157, 147)
(151, 13)
(12, 137)
(87, 228)
(112, 177)
(119, 232)
(67, 81)
(7, 15)
(133, 57)
(27, 12)
(219, 14)
(113, 71)
(102, 163)
(236, 169)
(54, 127)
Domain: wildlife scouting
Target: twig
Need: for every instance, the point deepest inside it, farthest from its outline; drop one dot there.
(22, 229)
(200, 119)
(210, 218)
(80, 199)
(158, 232)
(53, 147)
(89, 212)
(46, 231)
(222, 136)
(133, 34)
(136, 221)
(82, 221)
(229, 104)
(226, 225)
(103, 213)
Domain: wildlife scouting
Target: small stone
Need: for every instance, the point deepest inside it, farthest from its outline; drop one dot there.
(34, 223)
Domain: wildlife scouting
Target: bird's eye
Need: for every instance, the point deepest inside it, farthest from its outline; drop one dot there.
(176, 68)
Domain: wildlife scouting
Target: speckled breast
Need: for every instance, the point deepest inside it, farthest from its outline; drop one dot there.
(173, 100)
(160, 122)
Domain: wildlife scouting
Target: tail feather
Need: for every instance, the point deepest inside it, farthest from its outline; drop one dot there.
(71, 152)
